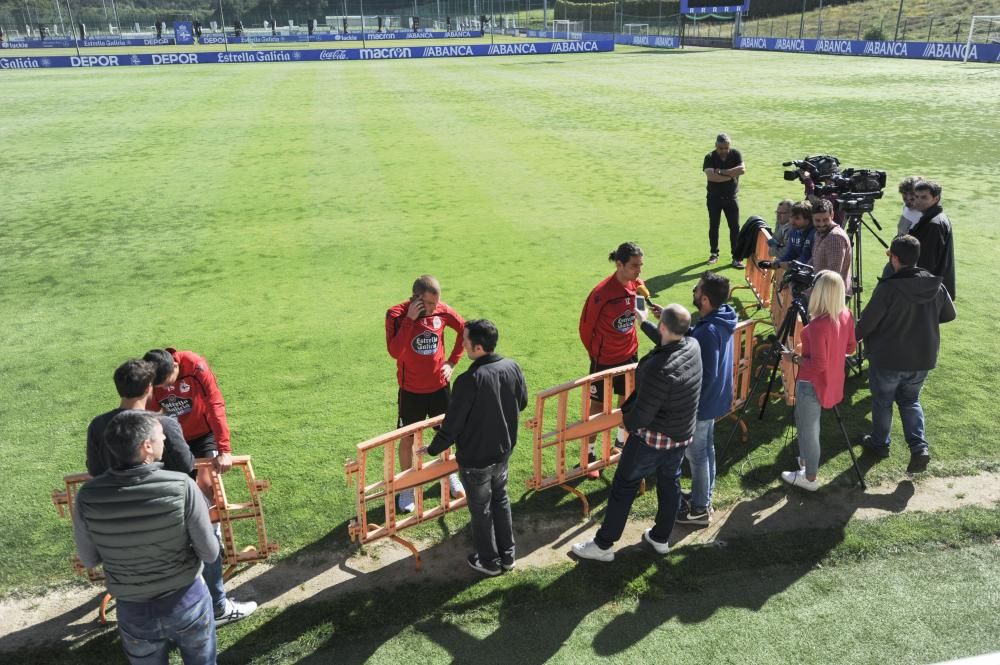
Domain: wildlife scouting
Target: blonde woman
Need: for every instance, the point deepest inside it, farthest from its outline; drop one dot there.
(826, 340)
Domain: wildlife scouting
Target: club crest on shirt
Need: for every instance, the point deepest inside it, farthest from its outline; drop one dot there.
(436, 323)
(426, 343)
(184, 387)
(625, 322)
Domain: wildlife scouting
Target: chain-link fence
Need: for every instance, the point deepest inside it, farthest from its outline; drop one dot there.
(38, 19)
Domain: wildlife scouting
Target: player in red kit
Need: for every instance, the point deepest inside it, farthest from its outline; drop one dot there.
(607, 323)
(414, 335)
(184, 387)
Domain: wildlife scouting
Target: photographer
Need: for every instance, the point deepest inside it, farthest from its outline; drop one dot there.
(831, 246)
(933, 230)
(799, 243)
(782, 227)
(826, 340)
(909, 215)
(723, 168)
(900, 329)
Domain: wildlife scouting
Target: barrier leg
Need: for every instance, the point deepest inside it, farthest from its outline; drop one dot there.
(580, 496)
(410, 546)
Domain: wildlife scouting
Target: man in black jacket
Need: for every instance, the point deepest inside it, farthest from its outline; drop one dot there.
(660, 418)
(482, 422)
(900, 329)
(933, 230)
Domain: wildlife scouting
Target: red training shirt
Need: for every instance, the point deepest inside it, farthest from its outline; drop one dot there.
(418, 346)
(194, 399)
(607, 323)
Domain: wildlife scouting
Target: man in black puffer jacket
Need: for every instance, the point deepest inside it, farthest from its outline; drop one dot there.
(660, 418)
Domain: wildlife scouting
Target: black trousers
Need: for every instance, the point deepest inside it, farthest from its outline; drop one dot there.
(717, 206)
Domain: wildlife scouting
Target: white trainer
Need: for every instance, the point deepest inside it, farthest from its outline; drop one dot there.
(406, 501)
(661, 548)
(590, 550)
(798, 479)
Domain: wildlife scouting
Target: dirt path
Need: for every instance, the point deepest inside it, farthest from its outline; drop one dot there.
(69, 615)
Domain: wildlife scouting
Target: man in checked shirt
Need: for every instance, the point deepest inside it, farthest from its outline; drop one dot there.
(660, 418)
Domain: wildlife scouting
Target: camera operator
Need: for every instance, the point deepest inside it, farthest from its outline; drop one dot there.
(782, 227)
(900, 329)
(723, 168)
(826, 340)
(933, 230)
(831, 247)
(799, 243)
(909, 215)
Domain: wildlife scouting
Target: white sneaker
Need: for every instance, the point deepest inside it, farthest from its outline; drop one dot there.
(661, 548)
(406, 501)
(620, 437)
(235, 610)
(798, 479)
(455, 486)
(590, 550)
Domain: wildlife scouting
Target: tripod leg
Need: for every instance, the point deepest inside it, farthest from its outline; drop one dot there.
(847, 442)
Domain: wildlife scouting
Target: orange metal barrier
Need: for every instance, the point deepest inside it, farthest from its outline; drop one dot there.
(781, 300)
(743, 351)
(380, 453)
(222, 511)
(759, 279)
(562, 433)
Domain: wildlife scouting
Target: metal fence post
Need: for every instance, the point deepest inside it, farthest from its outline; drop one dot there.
(930, 28)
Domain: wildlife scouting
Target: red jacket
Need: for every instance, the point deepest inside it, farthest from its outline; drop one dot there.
(607, 323)
(418, 346)
(195, 400)
(825, 346)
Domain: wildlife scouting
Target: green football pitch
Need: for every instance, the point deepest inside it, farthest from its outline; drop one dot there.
(266, 216)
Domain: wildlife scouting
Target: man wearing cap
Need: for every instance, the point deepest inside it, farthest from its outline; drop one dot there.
(723, 168)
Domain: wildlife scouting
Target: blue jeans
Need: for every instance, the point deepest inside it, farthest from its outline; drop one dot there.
(638, 461)
(212, 574)
(184, 617)
(489, 508)
(701, 456)
(807, 413)
(903, 388)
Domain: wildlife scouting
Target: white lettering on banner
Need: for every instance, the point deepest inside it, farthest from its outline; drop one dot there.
(385, 53)
(886, 48)
(458, 33)
(233, 56)
(753, 42)
(19, 63)
(156, 42)
(512, 49)
(949, 51)
(273, 56)
(833, 46)
(573, 47)
(14, 45)
(93, 61)
(419, 35)
(380, 35)
(667, 42)
(789, 45)
(339, 54)
(446, 51)
(640, 41)
(575, 35)
(175, 58)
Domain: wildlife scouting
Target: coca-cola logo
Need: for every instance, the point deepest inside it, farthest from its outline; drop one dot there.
(339, 54)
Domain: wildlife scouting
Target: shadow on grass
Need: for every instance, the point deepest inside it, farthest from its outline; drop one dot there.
(352, 628)
(660, 283)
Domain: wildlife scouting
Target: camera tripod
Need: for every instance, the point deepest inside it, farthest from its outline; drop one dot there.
(796, 313)
(852, 224)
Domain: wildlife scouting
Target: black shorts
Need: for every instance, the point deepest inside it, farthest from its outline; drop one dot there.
(414, 407)
(617, 383)
(204, 446)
